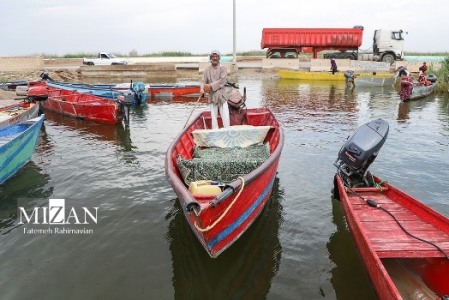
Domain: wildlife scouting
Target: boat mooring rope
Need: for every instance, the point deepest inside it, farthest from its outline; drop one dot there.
(225, 212)
(374, 204)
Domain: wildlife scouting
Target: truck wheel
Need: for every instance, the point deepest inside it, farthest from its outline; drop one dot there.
(351, 56)
(90, 63)
(388, 58)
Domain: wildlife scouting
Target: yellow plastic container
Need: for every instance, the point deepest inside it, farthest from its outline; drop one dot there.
(204, 188)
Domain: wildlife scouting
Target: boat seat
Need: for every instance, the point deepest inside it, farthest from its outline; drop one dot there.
(222, 164)
(230, 137)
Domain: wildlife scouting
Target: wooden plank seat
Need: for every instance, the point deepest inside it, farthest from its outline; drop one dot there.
(387, 238)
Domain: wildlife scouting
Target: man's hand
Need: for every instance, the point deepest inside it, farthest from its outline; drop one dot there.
(207, 88)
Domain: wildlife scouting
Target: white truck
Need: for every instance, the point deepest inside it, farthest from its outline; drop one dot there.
(387, 47)
(104, 59)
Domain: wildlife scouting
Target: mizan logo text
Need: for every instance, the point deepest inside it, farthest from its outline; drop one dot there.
(55, 214)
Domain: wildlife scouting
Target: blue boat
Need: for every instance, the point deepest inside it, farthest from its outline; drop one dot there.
(106, 92)
(135, 90)
(17, 145)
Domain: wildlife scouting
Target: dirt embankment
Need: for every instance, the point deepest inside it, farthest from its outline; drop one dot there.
(68, 70)
(58, 69)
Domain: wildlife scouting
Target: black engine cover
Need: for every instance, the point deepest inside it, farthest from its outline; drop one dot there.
(362, 148)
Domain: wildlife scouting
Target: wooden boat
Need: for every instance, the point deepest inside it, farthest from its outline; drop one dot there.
(164, 91)
(155, 91)
(143, 91)
(77, 105)
(86, 88)
(398, 265)
(14, 111)
(374, 81)
(17, 144)
(135, 90)
(411, 90)
(324, 76)
(223, 185)
(404, 244)
(311, 76)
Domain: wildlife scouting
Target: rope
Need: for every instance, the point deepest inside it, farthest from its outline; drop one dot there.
(225, 212)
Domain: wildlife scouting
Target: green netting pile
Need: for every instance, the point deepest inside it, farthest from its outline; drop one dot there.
(222, 164)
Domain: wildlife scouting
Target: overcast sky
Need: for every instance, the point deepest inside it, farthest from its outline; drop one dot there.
(150, 26)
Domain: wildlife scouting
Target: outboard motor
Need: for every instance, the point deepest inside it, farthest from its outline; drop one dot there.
(349, 78)
(139, 89)
(125, 101)
(359, 152)
(44, 75)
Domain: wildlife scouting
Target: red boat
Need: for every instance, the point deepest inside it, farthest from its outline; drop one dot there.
(403, 243)
(168, 91)
(223, 185)
(74, 104)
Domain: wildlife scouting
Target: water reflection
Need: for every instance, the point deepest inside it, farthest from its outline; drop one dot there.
(311, 96)
(244, 271)
(349, 278)
(405, 108)
(29, 182)
(102, 132)
(180, 99)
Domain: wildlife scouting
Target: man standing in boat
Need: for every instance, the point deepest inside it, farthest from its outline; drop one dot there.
(213, 82)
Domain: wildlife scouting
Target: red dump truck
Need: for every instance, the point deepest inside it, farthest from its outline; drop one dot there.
(288, 42)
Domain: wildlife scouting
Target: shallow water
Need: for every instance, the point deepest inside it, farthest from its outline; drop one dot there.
(141, 246)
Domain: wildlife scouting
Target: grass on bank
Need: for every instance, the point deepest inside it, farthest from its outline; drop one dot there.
(443, 76)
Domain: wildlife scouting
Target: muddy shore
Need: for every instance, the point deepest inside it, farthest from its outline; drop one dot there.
(69, 70)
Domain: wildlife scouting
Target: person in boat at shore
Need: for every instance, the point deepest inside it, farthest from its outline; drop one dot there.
(406, 87)
(423, 68)
(402, 71)
(333, 66)
(422, 80)
(213, 82)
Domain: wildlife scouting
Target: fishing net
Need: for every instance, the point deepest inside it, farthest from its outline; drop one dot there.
(222, 164)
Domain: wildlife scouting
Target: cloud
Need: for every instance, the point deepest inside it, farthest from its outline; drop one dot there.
(61, 27)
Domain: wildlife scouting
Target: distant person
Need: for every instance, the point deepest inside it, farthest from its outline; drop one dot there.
(333, 66)
(213, 82)
(422, 80)
(349, 78)
(402, 71)
(423, 68)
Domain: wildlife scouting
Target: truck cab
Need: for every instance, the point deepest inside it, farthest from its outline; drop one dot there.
(388, 45)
